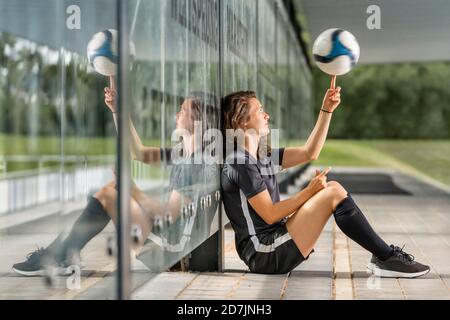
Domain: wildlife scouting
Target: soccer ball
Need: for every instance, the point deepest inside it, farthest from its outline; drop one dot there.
(336, 51)
(102, 52)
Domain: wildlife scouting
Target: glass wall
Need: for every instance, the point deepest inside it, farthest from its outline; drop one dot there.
(61, 159)
(175, 106)
(266, 53)
(57, 149)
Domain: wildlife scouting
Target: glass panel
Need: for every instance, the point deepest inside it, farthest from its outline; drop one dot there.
(175, 94)
(57, 149)
(282, 54)
(239, 45)
(301, 87)
(267, 80)
(298, 122)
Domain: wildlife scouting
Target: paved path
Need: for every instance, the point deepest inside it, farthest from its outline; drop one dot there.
(337, 269)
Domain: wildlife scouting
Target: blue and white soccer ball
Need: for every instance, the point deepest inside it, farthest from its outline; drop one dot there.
(336, 51)
(102, 52)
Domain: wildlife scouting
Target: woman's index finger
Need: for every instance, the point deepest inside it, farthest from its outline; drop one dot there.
(112, 84)
(325, 172)
(333, 82)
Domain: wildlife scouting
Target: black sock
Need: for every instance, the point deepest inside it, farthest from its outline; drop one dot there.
(354, 224)
(91, 222)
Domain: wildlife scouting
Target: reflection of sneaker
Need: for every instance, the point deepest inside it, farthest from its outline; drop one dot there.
(137, 265)
(70, 264)
(399, 265)
(40, 262)
(35, 264)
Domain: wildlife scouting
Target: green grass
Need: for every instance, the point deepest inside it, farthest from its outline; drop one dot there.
(430, 158)
(23, 145)
(13, 145)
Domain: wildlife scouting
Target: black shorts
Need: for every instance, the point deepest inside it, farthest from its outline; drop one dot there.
(277, 253)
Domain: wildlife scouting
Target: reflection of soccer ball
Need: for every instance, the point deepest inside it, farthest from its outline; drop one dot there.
(336, 51)
(102, 52)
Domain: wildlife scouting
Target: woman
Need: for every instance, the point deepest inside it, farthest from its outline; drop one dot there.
(274, 236)
(186, 178)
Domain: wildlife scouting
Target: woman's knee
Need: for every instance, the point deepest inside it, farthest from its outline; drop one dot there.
(337, 188)
(107, 195)
(337, 191)
(332, 194)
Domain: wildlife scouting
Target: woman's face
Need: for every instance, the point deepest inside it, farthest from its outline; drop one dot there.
(183, 117)
(258, 119)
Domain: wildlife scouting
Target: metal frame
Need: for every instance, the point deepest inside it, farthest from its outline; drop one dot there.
(123, 157)
(220, 249)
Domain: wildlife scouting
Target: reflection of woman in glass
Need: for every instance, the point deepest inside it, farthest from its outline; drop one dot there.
(184, 178)
(274, 236)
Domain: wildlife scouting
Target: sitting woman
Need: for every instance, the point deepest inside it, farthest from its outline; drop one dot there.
(185, 179)
(274, 236)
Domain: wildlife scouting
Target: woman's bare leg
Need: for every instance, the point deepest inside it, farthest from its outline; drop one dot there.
(306, 225)
(108, 197)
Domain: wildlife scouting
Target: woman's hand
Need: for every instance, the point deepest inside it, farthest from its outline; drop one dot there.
(332, 97)
(110, 95)
(319, 182)
(110, 98)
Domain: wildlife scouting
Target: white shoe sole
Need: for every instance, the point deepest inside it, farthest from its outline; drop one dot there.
(60, 271)
(394, 274)
(36, 273)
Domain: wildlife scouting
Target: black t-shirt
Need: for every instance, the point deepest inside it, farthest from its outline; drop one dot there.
(186, 175)
(191, 180)
(243, 177)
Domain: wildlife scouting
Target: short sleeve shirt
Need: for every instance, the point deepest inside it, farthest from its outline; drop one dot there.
(243, 177)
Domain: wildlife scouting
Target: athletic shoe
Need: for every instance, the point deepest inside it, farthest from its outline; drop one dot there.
(40, 262)
(399, 265)
(35, 265)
